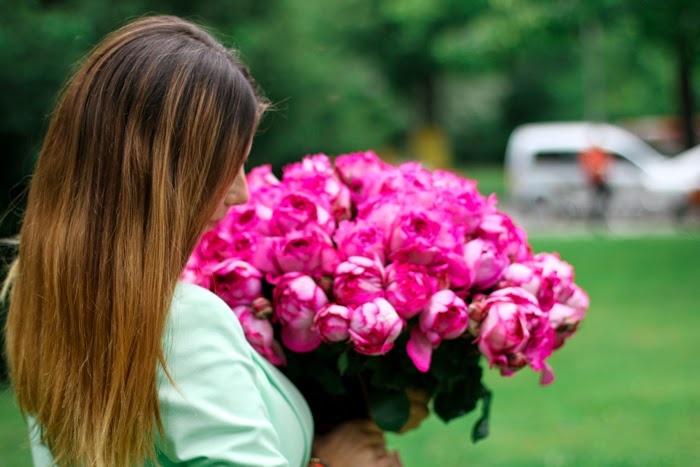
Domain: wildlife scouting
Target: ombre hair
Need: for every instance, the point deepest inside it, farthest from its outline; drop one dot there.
(141, 149)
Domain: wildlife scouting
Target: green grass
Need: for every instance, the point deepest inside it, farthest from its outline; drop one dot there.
(627, 388)
(14, 444)
(489, 179)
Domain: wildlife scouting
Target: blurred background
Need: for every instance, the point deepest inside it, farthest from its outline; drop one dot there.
(482, 87)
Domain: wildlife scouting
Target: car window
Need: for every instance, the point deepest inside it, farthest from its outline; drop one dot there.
(554, 157)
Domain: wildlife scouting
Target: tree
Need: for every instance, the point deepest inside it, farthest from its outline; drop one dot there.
(674, 24)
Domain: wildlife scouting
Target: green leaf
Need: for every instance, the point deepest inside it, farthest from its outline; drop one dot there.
(458, 395)
(481, 427)
(343, 363)
(389, 408)
(329, 380)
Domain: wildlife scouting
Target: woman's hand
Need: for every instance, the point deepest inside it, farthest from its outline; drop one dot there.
(419, 409)
(355, 443)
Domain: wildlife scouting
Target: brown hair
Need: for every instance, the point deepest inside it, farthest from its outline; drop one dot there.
(143, 144)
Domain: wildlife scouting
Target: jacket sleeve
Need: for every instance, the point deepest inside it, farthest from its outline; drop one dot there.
(215, 414)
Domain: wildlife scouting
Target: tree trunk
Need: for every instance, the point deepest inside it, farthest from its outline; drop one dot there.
(687, 104)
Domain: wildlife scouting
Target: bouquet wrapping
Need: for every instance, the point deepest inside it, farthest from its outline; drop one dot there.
(364, 281)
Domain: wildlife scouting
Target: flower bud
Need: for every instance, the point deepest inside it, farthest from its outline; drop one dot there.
(262, 308)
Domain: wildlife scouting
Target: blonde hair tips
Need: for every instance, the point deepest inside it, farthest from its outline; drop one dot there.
(143, 143)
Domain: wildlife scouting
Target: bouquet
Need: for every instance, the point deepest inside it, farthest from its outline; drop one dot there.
(367, 282)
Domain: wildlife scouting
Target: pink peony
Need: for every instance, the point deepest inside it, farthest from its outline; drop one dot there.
(504, 329)
(578, 300)
(445, 317)
(243, 245)
(296, 211)
(359, 171)
(332, 322)
(540, 345)
(510, 239)
(360, 238)
(249, 218)
(310, 251)
(418, 239)
(516, 330)
(316, 176)
(545, 276)
(465, 208)
(296, 298)
(358, 280)
(260, 335)
(565, 317)
(374, 327)
(236, 282)
(197, 272)
(485, 261)
(261, 177)
(408, 288)
(214, 246)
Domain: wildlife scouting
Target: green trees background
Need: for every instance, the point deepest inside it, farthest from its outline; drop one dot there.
(349, 75)
(355, 74)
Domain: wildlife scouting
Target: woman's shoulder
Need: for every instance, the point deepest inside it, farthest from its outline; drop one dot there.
(196, 311)
(195, 302)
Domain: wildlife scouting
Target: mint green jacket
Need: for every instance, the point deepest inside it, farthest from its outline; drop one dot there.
(230, 406)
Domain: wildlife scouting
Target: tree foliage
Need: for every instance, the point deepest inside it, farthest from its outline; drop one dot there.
(347, 75)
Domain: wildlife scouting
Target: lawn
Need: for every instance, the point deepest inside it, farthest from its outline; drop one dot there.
(627, 388)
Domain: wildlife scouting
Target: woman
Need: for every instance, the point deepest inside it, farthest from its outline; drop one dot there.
(113, 361)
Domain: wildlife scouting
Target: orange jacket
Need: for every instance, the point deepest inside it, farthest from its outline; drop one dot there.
(595, 163)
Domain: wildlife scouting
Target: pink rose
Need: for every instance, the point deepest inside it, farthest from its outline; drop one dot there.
(578, 300)
(316, 176)
(408, 288)
(196, 272)
(236, 282)
(310, 164)
(358, 280)
(310, 251)
(509, 239)
(296, 298)
(260, 335)
(296, 211)
(557, 276)
(264, 254)
(261, 177)
(540, 345)
(213, 246)
(332, 322)
(240, 245)
(382, 212)
(374, 327)
(515, 332)
(360, 238)
(565, 317)
(445, 317)
(504, 330)
(418, 239)
(485, 261)
(251, 218)
(359, 171)
(466, 208)
(545, 276)
(564, 321)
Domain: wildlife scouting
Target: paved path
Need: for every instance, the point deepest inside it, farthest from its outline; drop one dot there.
(546, 226)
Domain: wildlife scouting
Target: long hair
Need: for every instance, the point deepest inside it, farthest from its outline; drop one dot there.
(143, 145)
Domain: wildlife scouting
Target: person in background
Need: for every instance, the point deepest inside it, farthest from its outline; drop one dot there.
(113, 361)
(596, 164)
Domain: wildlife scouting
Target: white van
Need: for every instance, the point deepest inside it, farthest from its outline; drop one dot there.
(542, 169)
